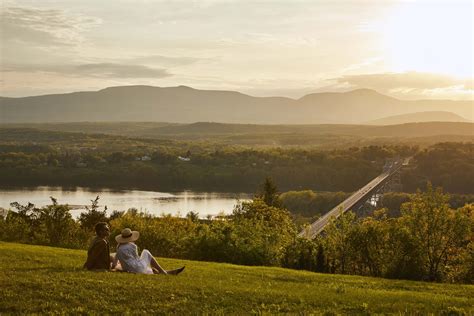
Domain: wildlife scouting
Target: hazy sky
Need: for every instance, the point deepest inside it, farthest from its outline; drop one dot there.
(410, 49)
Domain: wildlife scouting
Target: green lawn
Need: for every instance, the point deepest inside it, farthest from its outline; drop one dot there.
(37, 279)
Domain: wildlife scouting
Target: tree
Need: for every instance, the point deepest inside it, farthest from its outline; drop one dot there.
(30, 215)
(338, 245)
(301, 253)
(321, 259)
(369, 244)
(93, 215)
(261, 233)
(269, 193)
(462, 269)
(193, 216)
(59, 224)
(437, 230)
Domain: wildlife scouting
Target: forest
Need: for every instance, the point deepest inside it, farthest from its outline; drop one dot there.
(30, 157)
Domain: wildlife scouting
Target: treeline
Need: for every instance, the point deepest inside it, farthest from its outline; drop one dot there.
(30, 158)
(222, 169)
(429, 241)
(310, 204)
(450, 165)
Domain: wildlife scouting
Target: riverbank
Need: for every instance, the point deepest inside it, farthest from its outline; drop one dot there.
(153, 202)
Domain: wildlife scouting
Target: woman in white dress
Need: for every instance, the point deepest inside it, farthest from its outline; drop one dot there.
(127, 254)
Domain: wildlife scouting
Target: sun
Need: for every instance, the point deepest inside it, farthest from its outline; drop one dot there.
(430, 36)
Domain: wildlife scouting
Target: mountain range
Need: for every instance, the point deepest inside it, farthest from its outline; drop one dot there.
(419, 117)
(186, 105)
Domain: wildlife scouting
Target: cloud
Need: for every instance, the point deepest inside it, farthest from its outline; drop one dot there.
(408, 84)
(97, 70)
(407, 80)
(165, 60)
(44, 27)
(110, 70)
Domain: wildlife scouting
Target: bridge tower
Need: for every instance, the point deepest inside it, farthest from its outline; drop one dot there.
(395, 183)
(367, 207)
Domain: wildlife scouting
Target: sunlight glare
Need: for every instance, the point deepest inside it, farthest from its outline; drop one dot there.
(433, 36)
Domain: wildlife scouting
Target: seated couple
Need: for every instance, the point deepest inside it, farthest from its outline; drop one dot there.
(99, 258)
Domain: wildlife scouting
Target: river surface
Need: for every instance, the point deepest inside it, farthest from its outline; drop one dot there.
(157, 203)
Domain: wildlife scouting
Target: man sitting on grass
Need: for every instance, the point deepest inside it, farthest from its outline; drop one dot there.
(98, 255)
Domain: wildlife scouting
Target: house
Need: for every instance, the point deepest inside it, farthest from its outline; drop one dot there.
(184, 158)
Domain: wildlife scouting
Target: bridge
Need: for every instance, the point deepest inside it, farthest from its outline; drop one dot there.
(380, 184)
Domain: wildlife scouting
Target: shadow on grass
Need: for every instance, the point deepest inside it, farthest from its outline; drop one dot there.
(52, 269)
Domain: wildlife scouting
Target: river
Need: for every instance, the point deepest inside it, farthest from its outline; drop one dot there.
(157, 203)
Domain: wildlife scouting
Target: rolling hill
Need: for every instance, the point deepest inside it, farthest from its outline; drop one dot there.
(211, 129)
(323, 135)
(186, 105)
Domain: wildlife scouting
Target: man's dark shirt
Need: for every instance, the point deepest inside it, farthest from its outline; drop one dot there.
(98, 255)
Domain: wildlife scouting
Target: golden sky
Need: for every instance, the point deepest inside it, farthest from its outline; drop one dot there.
(407, 49)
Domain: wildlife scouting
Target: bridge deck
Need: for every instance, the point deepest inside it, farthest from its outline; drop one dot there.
(361, 195)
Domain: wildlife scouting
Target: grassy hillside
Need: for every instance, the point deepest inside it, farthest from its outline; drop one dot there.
(37, 279)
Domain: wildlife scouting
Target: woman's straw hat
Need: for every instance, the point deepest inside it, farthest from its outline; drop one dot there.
(127, 235)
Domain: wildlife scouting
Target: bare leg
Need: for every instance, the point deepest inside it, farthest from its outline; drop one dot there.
(157, 269)
(156, 266)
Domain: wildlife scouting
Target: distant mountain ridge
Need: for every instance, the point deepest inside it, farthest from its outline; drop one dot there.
(419, 117)
(186, 105)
